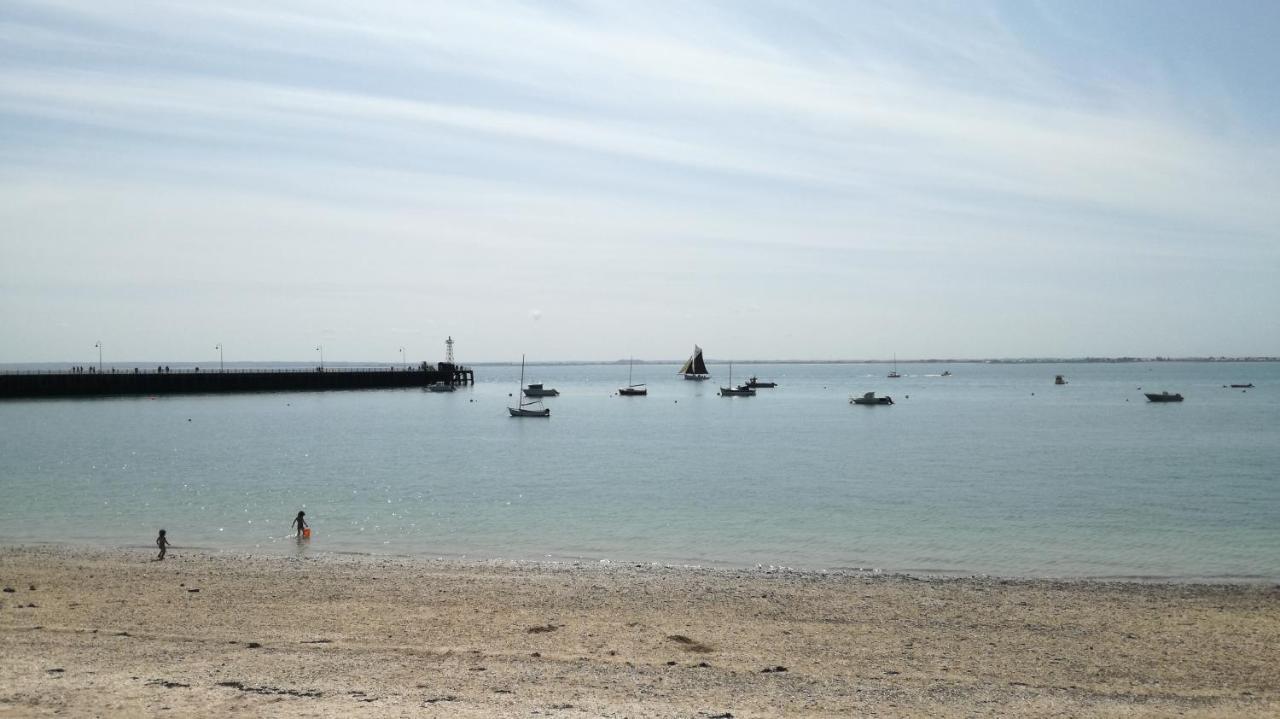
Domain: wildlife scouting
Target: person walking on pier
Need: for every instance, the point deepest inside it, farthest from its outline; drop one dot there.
(301, 523)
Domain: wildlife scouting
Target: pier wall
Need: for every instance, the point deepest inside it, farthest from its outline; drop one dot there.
(131, 382)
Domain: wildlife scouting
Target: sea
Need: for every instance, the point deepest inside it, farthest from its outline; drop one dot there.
(994, 470)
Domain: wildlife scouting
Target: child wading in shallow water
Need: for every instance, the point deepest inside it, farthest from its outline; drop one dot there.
(301, 521)
(163, 544)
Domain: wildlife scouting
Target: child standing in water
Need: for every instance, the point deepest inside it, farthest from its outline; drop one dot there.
(163, 544)
(301, 521)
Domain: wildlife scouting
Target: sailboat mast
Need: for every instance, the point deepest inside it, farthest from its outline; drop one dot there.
(520, 389)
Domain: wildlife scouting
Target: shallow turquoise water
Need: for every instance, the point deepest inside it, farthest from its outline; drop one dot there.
(992, 470)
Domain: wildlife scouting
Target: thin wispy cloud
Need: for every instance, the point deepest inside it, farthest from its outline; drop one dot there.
(978, 168)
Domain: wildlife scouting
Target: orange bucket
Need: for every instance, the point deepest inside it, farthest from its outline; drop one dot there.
(306, 533)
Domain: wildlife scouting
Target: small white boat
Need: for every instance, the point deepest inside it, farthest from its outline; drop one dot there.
(870, 399)
(893, 374)
(440, 387)
(537, 390)
(528, 409)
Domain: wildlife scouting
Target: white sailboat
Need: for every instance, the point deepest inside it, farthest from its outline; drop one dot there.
(695, 368)
(633, 390)
(527, 409)
(894, 374)
(741, 390)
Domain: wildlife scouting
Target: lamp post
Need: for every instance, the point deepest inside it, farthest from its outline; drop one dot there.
(402, 360)
(98, 344)
(320, 349)
(221, 366)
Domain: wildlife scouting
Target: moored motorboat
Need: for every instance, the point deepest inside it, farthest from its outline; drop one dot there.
(1243, 386)
(1163, 397)
(945, 373)
(1059, 379)
(870, 398)
(537, 390)
(757, 383)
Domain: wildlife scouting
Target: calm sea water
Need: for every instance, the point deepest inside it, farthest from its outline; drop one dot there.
(993, 470)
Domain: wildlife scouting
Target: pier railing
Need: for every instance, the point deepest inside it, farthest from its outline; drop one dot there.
(93, 370)
(139, 381)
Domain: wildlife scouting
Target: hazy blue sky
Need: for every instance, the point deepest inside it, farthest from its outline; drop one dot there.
(597, 180)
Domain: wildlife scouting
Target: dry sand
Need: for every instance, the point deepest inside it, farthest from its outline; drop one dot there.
(110, 633)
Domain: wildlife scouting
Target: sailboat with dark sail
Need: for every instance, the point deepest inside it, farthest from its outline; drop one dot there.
(530, 408)
(633, 390)
(695, 368)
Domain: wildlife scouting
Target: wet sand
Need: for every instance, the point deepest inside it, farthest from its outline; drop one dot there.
(111, 633)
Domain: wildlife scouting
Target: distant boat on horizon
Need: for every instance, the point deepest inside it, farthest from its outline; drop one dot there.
(695, 368)
(893, 374)
(1163, 397)
(1059, 379)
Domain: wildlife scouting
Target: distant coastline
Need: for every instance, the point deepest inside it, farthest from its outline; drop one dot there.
(285, 364)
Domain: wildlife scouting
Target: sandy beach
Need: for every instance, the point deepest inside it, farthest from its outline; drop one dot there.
(110, 633)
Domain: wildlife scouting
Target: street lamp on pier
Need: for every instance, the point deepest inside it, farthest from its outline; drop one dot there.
(98, 344)
(320, 349)
(221, 366)
(402, 360)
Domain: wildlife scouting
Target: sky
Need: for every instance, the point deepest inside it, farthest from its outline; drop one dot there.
(601, 180)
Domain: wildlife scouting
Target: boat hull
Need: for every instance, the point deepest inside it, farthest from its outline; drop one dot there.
(542, 393)
(697, 377)
(870, 399)
(633, 391)
(737, 392)
(522, 412)
(1163, 397)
